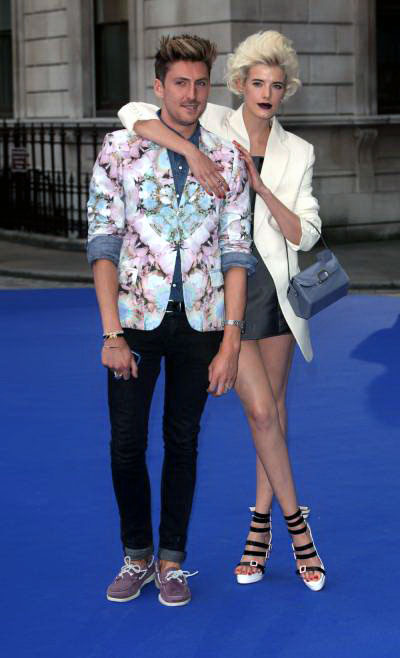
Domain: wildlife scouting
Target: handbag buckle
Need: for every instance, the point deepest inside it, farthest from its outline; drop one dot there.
(323, 275)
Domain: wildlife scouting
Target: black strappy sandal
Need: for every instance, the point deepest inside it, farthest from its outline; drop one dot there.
(292, 521)
(247, 578)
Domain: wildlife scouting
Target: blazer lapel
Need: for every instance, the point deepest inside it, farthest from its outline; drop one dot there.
(276, 157)
(276, 153)
(237, 125)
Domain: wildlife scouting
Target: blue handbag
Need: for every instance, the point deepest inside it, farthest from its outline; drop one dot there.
(319, 285)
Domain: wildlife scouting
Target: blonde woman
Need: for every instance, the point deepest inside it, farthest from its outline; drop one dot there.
(264, 71)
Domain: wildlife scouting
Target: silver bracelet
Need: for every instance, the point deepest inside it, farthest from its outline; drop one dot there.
(235, 323)
(113, 334)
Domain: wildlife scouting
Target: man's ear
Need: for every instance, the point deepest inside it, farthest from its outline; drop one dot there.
(158, 88)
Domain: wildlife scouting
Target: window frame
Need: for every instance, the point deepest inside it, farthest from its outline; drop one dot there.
(7, 111)
(364, 57)
(111, 110)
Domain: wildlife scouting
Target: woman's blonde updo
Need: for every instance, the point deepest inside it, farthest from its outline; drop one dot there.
(270, 48)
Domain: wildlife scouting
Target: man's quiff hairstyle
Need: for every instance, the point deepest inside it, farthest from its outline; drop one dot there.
(270, 48)
(185, 47)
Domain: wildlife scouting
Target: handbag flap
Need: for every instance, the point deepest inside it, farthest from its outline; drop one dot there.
(320, 271)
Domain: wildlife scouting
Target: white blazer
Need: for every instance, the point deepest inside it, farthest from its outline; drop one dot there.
(287, 172)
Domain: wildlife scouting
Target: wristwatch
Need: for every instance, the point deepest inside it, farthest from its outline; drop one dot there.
(235, 323)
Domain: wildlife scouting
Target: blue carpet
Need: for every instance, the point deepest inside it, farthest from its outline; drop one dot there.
(60, 546)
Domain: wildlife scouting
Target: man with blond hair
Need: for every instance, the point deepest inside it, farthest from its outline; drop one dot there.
(170, 262)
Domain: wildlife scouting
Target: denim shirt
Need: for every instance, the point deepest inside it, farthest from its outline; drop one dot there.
(180, 170)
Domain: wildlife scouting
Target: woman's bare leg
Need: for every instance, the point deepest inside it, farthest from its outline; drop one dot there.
(254, 389)
(277, 356)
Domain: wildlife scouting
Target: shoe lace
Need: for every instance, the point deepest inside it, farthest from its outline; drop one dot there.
(180, 575)
(132, 568)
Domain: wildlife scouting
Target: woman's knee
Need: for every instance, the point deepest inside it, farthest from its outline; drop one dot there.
(263, 418)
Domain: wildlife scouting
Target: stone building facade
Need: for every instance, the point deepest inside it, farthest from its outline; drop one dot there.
(56, 71)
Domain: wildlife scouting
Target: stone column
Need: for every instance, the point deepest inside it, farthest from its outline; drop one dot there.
(81, 58)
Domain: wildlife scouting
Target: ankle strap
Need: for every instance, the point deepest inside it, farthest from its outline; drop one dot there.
(261, 518)
(296, 515)
(298, 519)
(302, 531)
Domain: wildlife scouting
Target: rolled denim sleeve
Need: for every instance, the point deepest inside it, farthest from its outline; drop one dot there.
(104, 246)
(106, 209)
(238, 259)
(234, 224)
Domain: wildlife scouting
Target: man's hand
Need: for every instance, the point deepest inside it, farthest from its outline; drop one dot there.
(117, 356)
(207, 172)
(222, 370)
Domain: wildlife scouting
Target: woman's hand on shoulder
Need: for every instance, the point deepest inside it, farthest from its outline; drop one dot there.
(254, 177)
(207, 173)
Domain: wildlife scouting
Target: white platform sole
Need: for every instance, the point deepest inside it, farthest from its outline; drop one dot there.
(249, 578)
(315, 585)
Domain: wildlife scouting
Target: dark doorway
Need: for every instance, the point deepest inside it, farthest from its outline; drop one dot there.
(388, 56)
(6, 88)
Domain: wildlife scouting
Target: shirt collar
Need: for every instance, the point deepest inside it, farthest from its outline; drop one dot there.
(194, 139)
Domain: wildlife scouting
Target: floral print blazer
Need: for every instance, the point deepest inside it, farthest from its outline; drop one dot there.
(132, 199)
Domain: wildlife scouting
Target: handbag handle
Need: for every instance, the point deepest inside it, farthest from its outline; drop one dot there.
(286, 247)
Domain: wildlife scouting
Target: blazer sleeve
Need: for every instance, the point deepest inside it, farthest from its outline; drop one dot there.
(214, 118)
(106, 208)
(234, 222)
(132, 112)
(307, 208)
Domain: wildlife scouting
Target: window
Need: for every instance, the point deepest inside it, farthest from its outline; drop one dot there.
(111, 55)
(6, 91)
(388, 56)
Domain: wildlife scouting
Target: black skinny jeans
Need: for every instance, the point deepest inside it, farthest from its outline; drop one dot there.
(187, 354)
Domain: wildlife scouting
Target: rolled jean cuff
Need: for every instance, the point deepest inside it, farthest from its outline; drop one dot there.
(104, 246)
(171, 556)
(238, 259)
(139, 553)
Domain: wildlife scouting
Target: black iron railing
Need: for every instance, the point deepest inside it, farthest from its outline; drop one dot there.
(45, 170)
